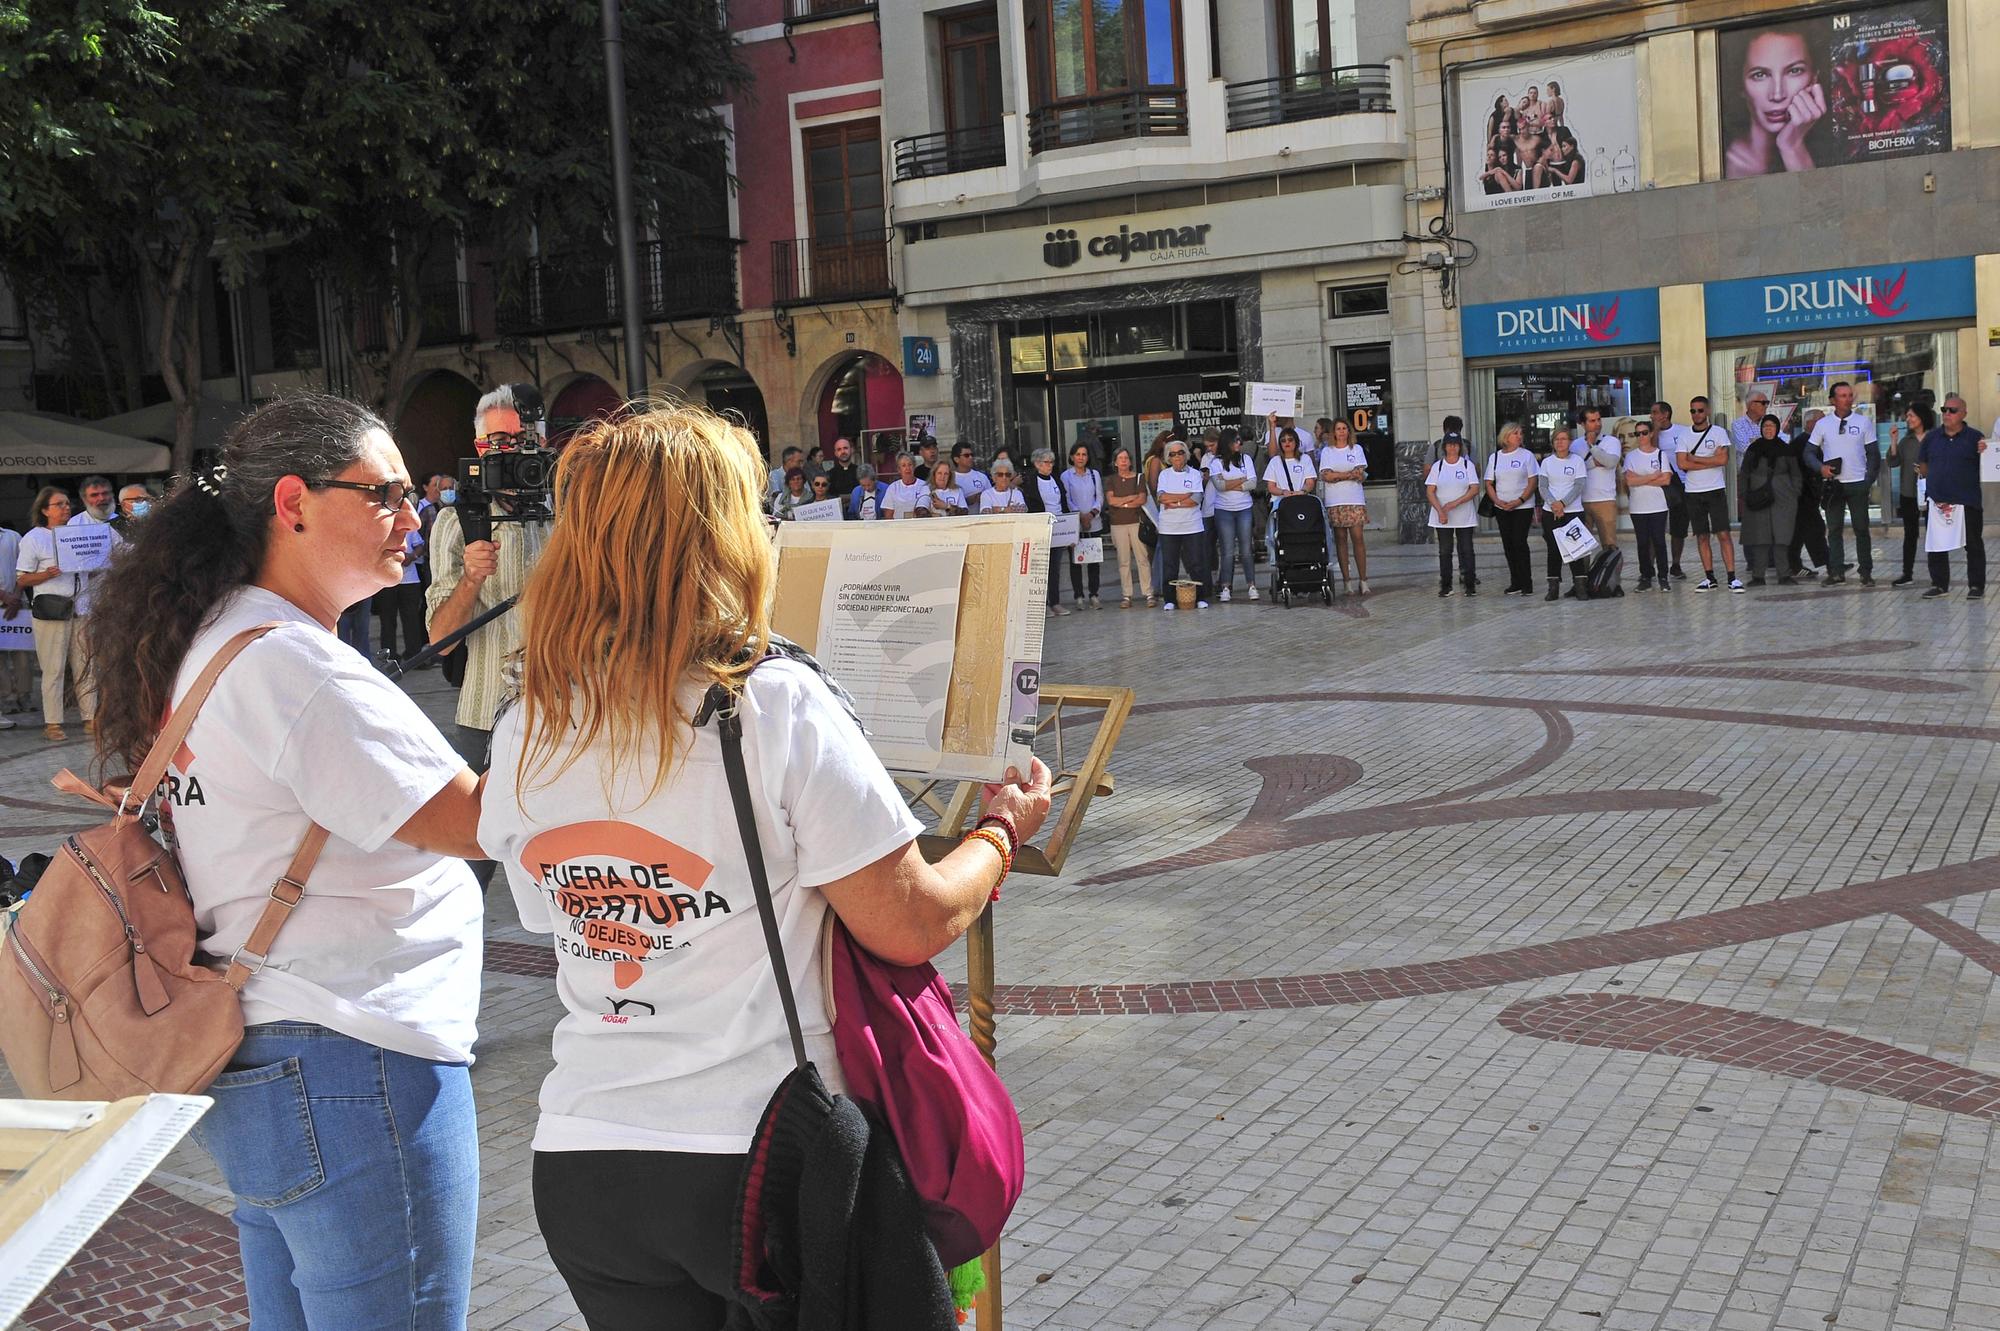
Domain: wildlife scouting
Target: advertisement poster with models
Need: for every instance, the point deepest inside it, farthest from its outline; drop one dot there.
(1828, 89)
(1534, 131)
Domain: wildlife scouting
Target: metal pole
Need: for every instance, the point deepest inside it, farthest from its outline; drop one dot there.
(621, 186)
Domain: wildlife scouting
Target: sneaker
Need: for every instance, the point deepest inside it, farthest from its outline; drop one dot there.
(1170, 607)
(1976, 594)
(1645, 584)
(1473, 590)
(1707, 584)
(1666, 585)
(1736, 584)
(1676, 571)
(1867, 580)
(1754, 582)
(1201, 605)
(1511, 591)
(1934, 593)
(1906, 579)
(1555, 593)
(1253, 594)
(1443, 592)
(1095, 604)
(1058, 610)
(1224, 598)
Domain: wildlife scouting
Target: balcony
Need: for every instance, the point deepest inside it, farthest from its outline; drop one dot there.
(689, 277)
(814, 272)
(926, 155)
(1147, 113)
(1311, 96)
(808, 11)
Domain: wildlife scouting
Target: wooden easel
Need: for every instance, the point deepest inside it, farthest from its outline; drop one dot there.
(1074, 787)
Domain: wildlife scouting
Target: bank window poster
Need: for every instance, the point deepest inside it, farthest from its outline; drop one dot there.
(1856, 85)
(1536, 131)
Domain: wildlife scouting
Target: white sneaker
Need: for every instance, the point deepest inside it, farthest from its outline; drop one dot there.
(1735, 584)
(1093, 602)
(1170, 606)
(1203, 605)
(1253, 593)
(7, 723)
(1056, 609)
(1225, 596)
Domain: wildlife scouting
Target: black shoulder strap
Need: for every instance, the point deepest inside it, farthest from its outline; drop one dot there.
(723, 706)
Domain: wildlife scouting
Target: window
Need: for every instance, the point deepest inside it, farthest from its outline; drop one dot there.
(970, 45)
(1351, 302)
(1091, 48)
(1315, 35)
(844, 180)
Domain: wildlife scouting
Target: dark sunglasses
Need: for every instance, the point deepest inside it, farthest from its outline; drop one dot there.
(1644, 429)
(391, 495)
(819, 483)
(1954, 411)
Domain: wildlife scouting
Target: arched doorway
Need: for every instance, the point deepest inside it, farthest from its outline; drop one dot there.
(585, 398)
(863, 396)
(434, 428)
(730, 392)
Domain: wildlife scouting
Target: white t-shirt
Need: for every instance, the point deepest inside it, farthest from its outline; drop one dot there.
(1051, 490)
(1705, 444)
(906, 497)
(386, 946)
(1672, 440)
(994, 500)
(1295, 474)
(10, 552)
(1334, 458)
(1600, 483)
(1647, 498)
(1565, 476)
(674, 1037)
(1232, 501)
(942, 502)
(1512, 472)
(38, 551)
(1180, 521)
(973, 482)
(1453, 479)
(1845, 440)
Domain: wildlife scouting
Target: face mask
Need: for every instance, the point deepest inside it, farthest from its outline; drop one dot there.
(140, 508)
(447, 496)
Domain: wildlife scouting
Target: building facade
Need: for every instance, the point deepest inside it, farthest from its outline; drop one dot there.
(1666, 200)
(1111, 215)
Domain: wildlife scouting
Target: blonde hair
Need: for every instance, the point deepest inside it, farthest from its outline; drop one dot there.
(658, 573)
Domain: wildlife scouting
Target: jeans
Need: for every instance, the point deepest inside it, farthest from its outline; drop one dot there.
(356, 1176)
(1913, 532)
(642, 1238)
(1650, 531)
(1185, 553)
(1975, 554)
(1234, 529)
(353, 628)
(1514, 524)
(1461, 539)
(1849, 501)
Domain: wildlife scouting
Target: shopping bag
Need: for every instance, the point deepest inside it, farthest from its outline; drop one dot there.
(1574, 541)
(1089, 550)
(1946, 530)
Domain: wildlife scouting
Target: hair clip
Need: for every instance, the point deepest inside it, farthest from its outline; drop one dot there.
(211, 481)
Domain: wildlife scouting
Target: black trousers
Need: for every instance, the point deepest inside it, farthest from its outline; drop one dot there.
(1808, 535)
(1650, 531)
(1076, 570)
(1514, 524)
(401, 604)
(1461, 539)
(1677, 522)
(1577, 571)
(1975, 554)
(642, 1238)
(1058, 556)
(1913, 532)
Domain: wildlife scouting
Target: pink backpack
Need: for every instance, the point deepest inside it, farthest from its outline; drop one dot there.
(904, 1055)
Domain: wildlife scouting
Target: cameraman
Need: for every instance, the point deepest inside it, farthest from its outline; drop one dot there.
(468, 580)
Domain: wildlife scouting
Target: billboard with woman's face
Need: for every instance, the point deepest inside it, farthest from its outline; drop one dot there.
(1562, 127)
(1859, 85)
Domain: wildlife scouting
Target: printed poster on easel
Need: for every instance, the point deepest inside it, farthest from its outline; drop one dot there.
(934, 627)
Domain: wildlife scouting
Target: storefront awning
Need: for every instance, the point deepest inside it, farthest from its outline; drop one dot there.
(37, 445)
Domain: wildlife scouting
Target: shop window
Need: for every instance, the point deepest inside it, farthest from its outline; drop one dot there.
(1353, 302)
(1069, 342)
(1131, 334)
(1211, 327)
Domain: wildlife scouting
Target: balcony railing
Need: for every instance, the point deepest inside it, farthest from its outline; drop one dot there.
(1125, 115)
(689, 277)
(444, 306)
(954, 150)
(813, 272)
(805, 11)
(1310, 96)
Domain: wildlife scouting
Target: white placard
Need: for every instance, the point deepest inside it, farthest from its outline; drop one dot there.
(1989, 462)
(17, 633)
(1063, 529)
(1261, 400)
(84, 547)
(1089, 550)
(1575, 542)
(820, 510)
(1946, 529)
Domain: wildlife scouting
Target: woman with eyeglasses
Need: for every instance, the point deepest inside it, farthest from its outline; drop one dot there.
(344, 1126)
(1648, 471)
(1182, 546)
(1045, 494)
(58, 620)
(1125, 503)
(1002, 495)
(822, 488)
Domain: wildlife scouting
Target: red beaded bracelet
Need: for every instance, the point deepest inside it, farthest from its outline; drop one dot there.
(1013, 833)
(1000, 848)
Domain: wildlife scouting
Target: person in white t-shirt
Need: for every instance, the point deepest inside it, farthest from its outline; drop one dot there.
(59, 641)
(1560, 490)
(344, 1125)
(1452, 487)
(909, 495)
(1003, 496)
(1343, 466)
(1647, 471)
(1671, 439)
(1845, 442)
(1704, 455)
(967, 477)
(611, 811)
(1511, 475)
(1231, 476)
(1179, 490)
(1600, 484)
(947, 500)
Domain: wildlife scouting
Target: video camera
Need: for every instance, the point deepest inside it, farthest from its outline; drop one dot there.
(518, 468)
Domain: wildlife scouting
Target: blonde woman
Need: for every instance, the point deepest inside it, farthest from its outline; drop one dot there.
(1343, 466)
(609, 808)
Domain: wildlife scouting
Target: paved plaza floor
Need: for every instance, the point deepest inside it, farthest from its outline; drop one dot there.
(1436, 964)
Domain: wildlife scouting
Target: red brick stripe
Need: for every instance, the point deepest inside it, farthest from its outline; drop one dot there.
(159, 1263)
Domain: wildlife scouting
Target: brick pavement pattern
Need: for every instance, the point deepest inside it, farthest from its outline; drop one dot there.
(1437, 964)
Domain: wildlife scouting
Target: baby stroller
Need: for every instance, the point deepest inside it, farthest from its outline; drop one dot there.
(1298, 555)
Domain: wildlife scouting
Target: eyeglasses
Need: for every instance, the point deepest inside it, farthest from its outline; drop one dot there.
(819, 483)
(1645, 429)
(391, 495)
(1954, 411)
